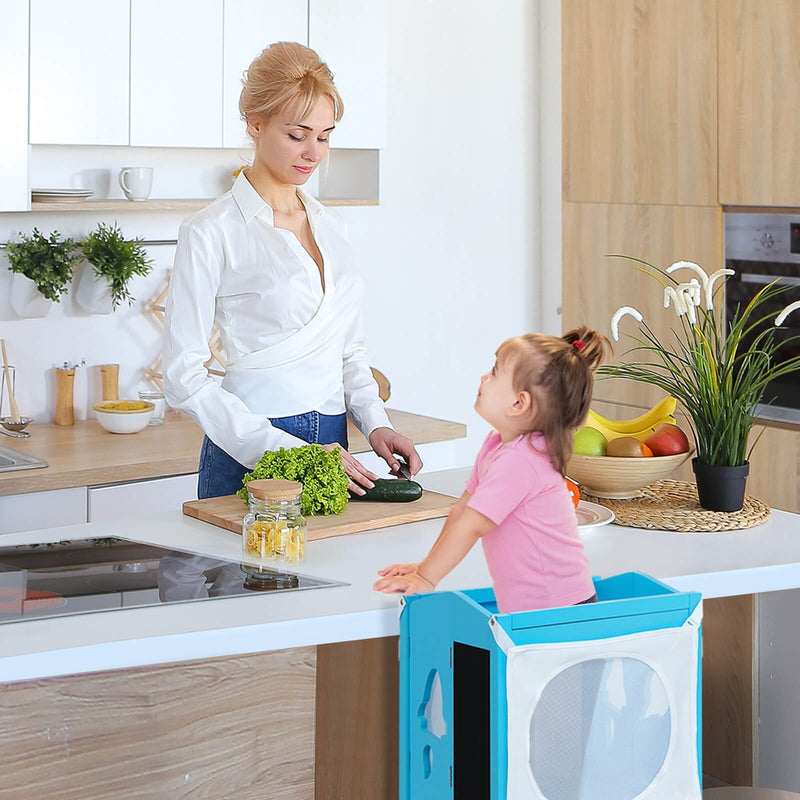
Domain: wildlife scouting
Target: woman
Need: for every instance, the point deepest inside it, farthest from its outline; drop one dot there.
(272, 268)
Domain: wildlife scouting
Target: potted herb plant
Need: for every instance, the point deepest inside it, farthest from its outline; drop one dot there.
(718, 372)
(114, 260)
(41, 268)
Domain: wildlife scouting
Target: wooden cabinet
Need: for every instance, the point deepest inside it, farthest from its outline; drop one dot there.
(759, 103)
(14, 191)
(352, 37)
(639, 101)
(596, 285)
(176, 75)
(79, 72)
(249, 26)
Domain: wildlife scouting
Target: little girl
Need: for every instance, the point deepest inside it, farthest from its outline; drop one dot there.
(516, 500)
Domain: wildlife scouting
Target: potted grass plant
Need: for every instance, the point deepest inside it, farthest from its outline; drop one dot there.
(719, 372)
(41, 268)
(112, 260)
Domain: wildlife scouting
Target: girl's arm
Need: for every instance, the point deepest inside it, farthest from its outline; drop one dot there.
(462, 529)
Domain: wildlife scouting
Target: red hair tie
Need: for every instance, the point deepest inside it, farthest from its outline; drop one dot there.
(579, 344)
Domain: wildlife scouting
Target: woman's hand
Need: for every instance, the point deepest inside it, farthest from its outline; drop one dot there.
(359, 475)
(404, 579)
(386, 443)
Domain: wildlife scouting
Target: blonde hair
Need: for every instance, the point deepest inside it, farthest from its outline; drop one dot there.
(558, 373)
(287, 74)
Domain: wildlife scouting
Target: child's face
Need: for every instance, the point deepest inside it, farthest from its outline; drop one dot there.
(496, 395)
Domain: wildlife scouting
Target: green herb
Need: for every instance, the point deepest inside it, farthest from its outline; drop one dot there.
(319, 470)
(48, 262)
(719, 375)
(116, 259)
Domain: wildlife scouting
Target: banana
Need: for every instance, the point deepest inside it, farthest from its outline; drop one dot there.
(639, 427)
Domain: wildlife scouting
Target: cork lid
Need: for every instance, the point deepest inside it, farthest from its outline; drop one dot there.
(274, 489)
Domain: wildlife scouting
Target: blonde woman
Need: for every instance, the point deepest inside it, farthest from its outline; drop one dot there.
(273, 269)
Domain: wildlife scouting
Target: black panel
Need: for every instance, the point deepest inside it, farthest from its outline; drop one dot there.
(471, 732)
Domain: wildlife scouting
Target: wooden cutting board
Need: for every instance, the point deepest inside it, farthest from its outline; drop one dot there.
(227, 512)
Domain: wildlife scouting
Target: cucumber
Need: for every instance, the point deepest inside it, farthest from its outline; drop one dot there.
(391, 490)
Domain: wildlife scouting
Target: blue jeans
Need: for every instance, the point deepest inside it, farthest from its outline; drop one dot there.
(220, 474)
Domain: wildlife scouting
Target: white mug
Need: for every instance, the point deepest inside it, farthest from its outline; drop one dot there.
(136, 182)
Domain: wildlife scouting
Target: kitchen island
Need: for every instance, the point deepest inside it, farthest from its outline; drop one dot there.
(236, 648)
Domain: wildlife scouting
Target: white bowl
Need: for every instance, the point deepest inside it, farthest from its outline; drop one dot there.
(124, 416)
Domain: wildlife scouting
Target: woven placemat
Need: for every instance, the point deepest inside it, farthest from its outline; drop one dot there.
(673, 506)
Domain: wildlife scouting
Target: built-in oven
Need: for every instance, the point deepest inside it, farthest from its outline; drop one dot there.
(762, 248)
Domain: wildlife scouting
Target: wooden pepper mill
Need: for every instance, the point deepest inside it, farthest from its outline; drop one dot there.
(110, 378)
(65, 410)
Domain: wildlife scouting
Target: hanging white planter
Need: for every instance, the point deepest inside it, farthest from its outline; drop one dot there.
(26, 299)
(93, 294)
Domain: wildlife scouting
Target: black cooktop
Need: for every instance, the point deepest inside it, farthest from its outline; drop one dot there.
(89, 575)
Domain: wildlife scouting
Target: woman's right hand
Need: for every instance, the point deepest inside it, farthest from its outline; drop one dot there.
(358, 474)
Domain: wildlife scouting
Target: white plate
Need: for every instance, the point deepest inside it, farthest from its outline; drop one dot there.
(591, 515)
(60, 195)
(63, 192)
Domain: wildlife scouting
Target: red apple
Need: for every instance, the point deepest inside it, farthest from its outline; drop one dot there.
(667, 440)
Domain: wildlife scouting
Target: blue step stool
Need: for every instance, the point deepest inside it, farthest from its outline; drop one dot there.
(575, 703)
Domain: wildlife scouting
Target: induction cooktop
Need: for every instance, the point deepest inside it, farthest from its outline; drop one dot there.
(103, 574)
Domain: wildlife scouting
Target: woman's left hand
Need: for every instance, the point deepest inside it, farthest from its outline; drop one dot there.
(388, 443)
(358, 475)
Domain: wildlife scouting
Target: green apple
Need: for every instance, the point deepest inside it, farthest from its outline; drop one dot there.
(589, 442)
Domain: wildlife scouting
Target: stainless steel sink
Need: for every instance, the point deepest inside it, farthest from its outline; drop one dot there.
(12, 459)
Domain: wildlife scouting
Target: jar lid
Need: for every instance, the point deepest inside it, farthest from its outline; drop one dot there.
(274, 489)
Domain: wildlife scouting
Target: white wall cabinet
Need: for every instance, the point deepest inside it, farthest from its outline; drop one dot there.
(79, 72)
(50, 509)
(352, 37)
(251, 25)
(107, 503)
(58, 507)
(14, 190)
(176, 75)
(149, 73)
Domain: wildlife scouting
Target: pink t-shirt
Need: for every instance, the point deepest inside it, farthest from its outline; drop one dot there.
(535, 555)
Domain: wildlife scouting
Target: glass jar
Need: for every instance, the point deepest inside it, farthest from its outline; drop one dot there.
(274, 530)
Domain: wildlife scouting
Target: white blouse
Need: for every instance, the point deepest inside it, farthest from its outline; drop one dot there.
(290, 346)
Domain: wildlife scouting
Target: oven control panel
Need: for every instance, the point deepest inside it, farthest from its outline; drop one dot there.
(762, 237)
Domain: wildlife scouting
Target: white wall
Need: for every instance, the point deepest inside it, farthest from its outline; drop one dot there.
(451, 254)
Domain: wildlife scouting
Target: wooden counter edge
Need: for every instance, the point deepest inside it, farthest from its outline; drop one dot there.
(69, 469)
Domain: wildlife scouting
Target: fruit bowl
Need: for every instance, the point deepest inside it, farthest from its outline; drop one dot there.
(621, 478)
(124, 416)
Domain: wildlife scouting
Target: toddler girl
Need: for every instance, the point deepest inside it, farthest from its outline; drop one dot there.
(516, 500)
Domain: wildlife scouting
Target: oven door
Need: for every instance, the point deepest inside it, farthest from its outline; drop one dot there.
(782, 397)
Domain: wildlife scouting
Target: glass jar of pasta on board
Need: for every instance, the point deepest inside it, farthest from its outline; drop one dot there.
(274, 530)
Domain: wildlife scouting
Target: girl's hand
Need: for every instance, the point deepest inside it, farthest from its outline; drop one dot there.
(397, 569)
(408, 583)
(359, 475)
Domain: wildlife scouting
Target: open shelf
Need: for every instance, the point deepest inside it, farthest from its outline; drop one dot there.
(163, 205)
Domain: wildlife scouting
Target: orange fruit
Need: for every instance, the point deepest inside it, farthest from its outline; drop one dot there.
(646, 451)
(574, 491)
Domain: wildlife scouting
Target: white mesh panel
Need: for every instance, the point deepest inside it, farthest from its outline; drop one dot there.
(601, 728)
(613, 718)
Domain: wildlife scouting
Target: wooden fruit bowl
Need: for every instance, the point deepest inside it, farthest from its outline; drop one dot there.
(621, 478)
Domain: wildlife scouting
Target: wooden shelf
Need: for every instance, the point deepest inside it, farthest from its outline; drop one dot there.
(187, 206)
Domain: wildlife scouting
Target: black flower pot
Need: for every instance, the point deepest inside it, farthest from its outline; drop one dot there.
(720, 488)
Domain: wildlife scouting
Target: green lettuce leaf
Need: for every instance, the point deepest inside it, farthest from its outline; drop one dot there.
(319, 470)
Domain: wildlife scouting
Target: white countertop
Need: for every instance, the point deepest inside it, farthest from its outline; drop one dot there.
(760, 559)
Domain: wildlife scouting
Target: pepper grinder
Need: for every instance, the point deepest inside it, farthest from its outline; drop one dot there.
(110, 379)
(65, 410)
